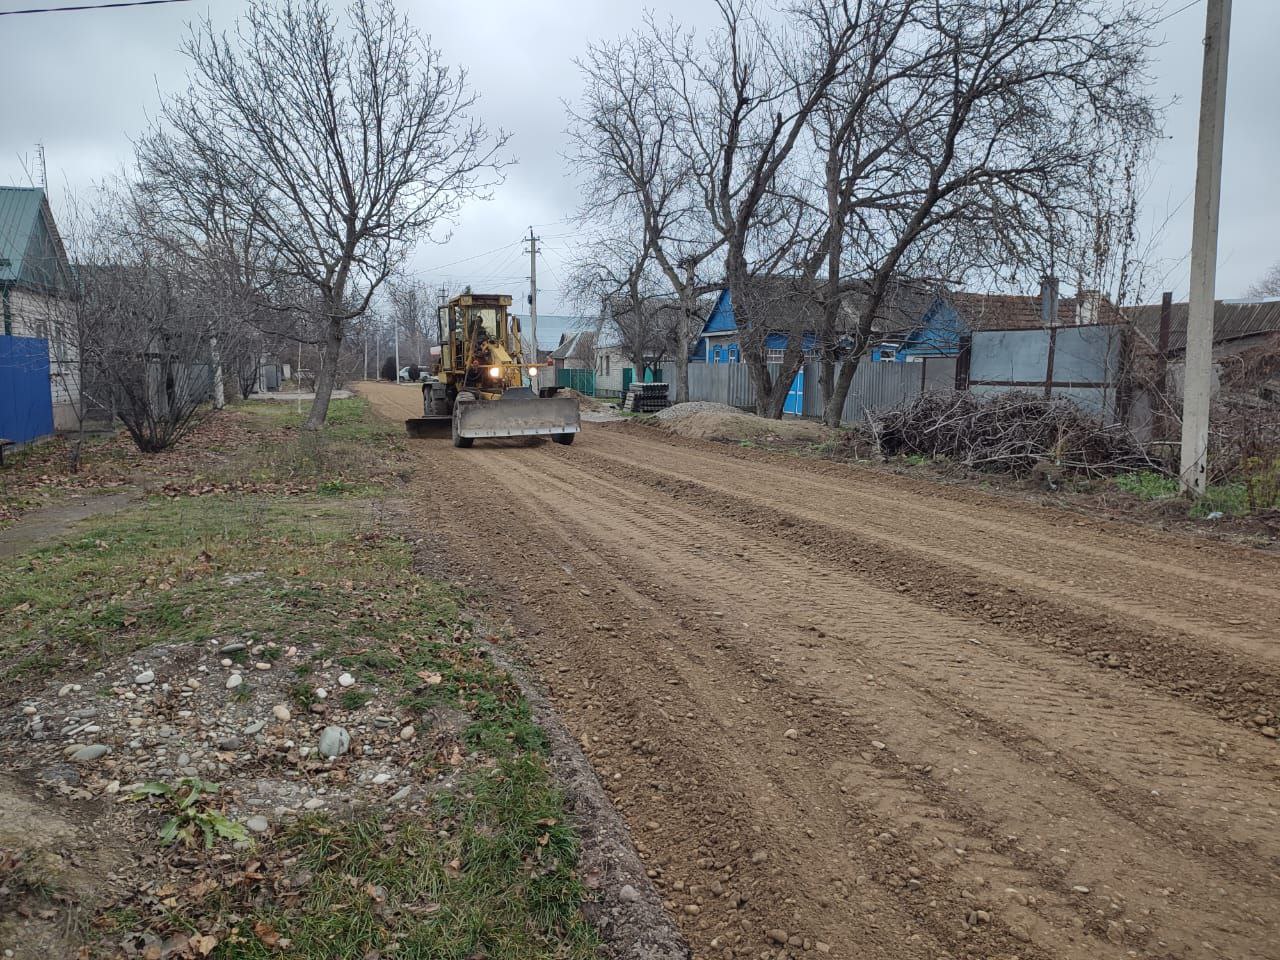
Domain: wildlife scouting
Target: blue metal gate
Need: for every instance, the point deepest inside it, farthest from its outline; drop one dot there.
(26, 400)
(795, 396)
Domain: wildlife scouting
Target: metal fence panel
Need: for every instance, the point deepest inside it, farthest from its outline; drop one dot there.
(1009, 356)
(939, 374)
(1088, 354)
(876, 386)
(880, 386)
(26, 400)
(721, 383)
(584, 381)
(1083, 364)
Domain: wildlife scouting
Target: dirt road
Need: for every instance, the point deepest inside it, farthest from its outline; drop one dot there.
(848, 712)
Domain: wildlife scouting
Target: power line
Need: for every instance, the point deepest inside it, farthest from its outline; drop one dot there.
(1170, 16)
(89, 6)
(487, 253)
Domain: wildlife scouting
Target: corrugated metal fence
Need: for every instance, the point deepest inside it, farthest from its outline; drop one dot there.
(876, 386)
(26, 401)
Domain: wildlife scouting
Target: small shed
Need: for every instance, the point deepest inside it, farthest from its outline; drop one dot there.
(574, 362)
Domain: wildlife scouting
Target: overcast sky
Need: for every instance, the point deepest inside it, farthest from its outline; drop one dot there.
(84, 83)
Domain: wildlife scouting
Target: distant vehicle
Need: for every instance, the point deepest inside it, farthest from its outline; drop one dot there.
(412, 374)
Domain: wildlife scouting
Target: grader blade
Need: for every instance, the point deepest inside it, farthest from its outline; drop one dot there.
(427, 428)
(526, 415)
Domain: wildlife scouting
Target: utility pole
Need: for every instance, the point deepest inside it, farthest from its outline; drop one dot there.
(365, 371)
(219, 392)
(1198, 370)
(395, 326)
(533, 292)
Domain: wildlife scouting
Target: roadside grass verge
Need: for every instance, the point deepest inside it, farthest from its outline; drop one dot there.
(486, 868)
(488, 872)
(1228, 499)
(250, 445)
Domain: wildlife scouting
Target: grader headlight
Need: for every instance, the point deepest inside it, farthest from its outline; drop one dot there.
(495, 372)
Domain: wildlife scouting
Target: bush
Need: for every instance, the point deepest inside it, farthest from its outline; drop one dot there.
(1261, 476)
(388, 371)
(415, 372)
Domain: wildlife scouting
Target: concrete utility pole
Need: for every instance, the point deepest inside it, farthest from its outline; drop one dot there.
(533, 292)
(219, 392)
(1198, 372)
(395, 326)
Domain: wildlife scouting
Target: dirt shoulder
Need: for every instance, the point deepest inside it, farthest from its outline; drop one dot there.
(1146, 500)
(252, 725)
(848, 712)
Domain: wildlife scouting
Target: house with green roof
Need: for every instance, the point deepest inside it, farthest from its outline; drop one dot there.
(36, 291)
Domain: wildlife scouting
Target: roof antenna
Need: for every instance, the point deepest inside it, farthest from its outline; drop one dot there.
(44, 172)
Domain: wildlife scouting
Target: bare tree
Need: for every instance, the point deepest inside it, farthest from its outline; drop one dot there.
(615, 282)
(625, 134)
(1269, 285)
(1007, 113)
(148, 310)
(698, 136)
(412, 314)
(842, 148)
(340, 146)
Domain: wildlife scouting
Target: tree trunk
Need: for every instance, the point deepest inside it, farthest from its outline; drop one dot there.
(219, 388)
(826, 379)
(834, 404)
(687, 307)
(327, 375)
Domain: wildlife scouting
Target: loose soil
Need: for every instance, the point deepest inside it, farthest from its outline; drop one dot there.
(848, 712)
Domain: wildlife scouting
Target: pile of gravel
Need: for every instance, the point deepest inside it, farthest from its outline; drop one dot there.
(681, 411)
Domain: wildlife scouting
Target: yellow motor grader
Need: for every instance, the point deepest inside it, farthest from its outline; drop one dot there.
(482, 386)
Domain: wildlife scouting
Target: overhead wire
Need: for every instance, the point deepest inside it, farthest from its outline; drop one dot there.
(90, 6)
(1170, 16)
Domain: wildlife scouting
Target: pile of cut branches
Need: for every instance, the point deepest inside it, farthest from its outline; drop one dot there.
(1008, 433)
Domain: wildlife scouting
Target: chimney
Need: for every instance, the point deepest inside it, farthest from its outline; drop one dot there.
(1049, 301)
(1087, 302)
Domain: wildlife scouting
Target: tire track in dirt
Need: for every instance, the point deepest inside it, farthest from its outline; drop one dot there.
(622, 527)
(1232, 685)
(1099, 705)
(1035, 554)
(1123, 541)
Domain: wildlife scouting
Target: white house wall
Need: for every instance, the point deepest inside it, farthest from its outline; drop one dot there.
(610, 382)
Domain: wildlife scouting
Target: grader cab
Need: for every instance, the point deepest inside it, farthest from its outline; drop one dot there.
(483, 386)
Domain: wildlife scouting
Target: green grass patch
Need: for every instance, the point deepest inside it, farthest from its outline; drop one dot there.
(1148, 485)
(354, 699)
(171, 571)
(1229, 499)
(488, 874)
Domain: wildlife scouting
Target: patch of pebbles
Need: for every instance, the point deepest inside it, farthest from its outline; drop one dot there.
(223, 712)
